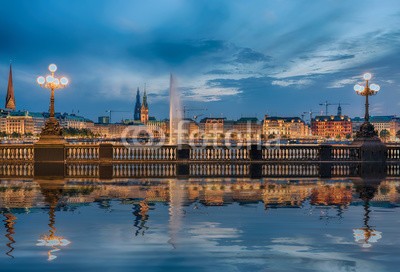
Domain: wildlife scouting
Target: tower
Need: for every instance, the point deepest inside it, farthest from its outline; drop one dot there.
(138, 106)
(10, 99)
(144, 110)
(339, 110)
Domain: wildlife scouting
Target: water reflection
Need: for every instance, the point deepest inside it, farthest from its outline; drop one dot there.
(219, 211)
(9, 224)
(52, 191)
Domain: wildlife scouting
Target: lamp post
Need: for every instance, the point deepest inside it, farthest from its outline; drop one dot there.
(52, 127)
(367, 129)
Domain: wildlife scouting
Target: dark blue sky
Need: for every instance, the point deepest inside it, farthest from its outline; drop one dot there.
(278, 57)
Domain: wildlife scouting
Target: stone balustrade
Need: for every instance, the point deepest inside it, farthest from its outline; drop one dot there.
(164, 153)
(291, 153)
(11, 152)
(218, 154)
(393, 152)
(82, 152)
(121, 153)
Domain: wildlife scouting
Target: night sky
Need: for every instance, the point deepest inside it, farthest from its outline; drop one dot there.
(235, 58)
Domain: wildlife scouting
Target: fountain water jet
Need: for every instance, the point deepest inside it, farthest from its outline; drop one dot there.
(175, 112)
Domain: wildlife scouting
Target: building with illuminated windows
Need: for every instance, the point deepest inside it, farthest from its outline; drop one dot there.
(332, 126)
(284, 127)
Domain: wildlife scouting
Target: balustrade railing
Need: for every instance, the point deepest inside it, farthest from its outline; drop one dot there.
(164, 153)
(82, 152)
(82, 170)
(144, 170)
(345, 153)
(297, 170)
(16, 152)
(393, 152)
(16, 170)
(201, 170)
(218, 154)
(121, 153)
(291, 153)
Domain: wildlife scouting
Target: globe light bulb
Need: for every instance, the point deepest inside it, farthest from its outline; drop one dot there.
(367, 76)
(49, 79)
(64, 81)
(41, 80)
(52, 67)
(375, 87)
(358, 88)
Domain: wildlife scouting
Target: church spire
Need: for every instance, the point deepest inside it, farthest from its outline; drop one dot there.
(137, 106)
(145, 99)
(144, 111)
(10, 99)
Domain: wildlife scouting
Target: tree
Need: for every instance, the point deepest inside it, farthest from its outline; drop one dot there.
(348, 136)
(338, 137)
(15, 135)
(3, 134)
(384, 134)
(271, 136)
(398, 134)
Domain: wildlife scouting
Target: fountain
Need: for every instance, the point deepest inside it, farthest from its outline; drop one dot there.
(175, 112)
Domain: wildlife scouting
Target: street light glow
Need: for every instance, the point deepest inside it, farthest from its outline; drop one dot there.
(358, 88)
(64, 81)
(52, 67)
(49, 79)
(367, 76)
(375, 87)
(41, 80)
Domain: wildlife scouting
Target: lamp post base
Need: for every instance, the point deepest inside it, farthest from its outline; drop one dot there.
(371, 147)
(367, 131)
(51, 133)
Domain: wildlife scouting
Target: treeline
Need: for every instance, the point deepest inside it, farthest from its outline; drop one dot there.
(76, 132)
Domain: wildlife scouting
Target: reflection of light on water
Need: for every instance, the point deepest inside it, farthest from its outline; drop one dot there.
(54, 242)
(176, 212)
(366, 236)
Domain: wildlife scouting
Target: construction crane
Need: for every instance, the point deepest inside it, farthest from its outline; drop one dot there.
(111, 111)
(186, 109)
(327, 104)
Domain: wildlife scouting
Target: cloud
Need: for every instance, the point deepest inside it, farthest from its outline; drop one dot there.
(344, 82)
(209, 94)
(339, 57)
(290, 82)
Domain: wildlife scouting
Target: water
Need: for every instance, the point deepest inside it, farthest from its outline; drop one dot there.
(199, 225)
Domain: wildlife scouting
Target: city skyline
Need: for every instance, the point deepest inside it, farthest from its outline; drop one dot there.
(243, 57)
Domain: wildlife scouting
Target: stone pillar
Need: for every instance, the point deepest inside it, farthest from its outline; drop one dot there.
(49, 160)
(106, 161)
(325, 152)
(371, 150)
(255, 152)
(255, 170)
(183, 152)
(182, 165)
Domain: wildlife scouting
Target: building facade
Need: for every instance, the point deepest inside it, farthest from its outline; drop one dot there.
(284, 127)
(334, 126)
(390, 123)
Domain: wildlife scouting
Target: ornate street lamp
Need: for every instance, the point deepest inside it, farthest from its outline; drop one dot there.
(367, 130)
(52, 126)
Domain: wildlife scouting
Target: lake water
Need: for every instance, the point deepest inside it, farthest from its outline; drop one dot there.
(200, 225)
